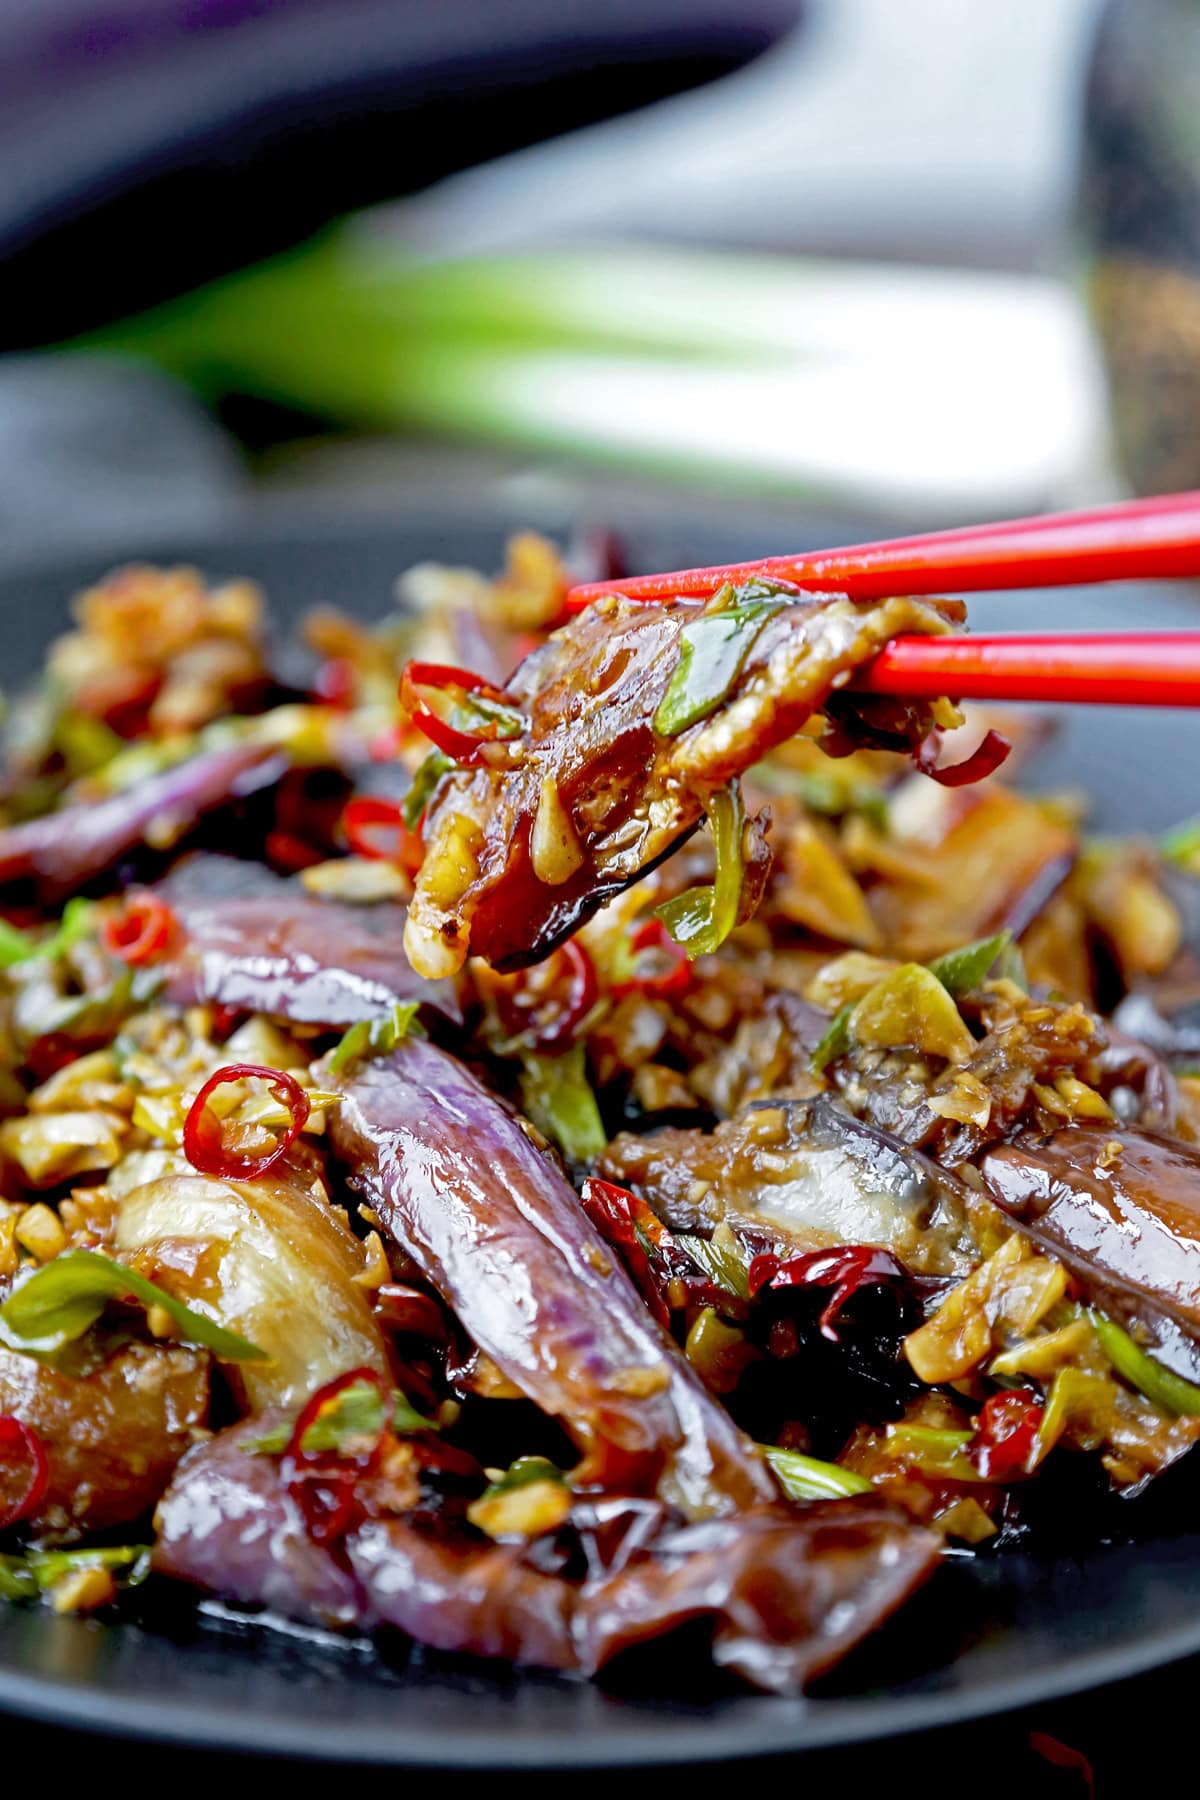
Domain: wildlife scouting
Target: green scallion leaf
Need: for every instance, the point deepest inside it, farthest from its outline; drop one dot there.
(357, 1412)
(961, 971)
(834, 1040)
(806, 1478)
(428, 774)
(17, 1579)
(15, 946)
(25, 1577)
(1181, 846)
(19, 946)
(557, 1095)
(1143, 1372)
(933, 1451)
(375, 1037)
(720, 1260)
(701, 918)
(65, 1297)
(523, 1473)
(712, 651)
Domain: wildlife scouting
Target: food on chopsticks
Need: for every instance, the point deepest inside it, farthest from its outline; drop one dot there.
(611, 742)
(686, 1229)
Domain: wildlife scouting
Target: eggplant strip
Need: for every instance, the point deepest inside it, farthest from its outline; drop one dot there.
(786, 1593)
(1121, 1209)
(66, 849)
(258, 943)
(111, 1437)
(807, 1173)
(591, 769)
(495, 1227)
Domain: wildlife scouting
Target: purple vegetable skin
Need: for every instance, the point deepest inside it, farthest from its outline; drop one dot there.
(495, 1227)
(68, 848)
(226, 1524)
(786, 1592)
(258, 943)
(1121, 1209)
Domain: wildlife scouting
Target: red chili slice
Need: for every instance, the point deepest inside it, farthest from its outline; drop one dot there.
(375, 828)
(844, 1267)
(203, 1138)
(1006, 1431)
(141, 930)
(463, 746)
(674, 974)
(324, 1483)
(538, 1012)
(664, 1274)
(628, 1224)
(285, 850)
(984, 760)
(24, 1471)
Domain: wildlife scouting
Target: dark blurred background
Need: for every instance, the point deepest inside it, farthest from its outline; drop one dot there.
(840, 255)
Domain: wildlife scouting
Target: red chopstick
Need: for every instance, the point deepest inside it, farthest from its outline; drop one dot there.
(1133, 540)
(1143, 668)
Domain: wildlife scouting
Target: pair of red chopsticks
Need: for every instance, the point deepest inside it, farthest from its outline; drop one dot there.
(1133, 540)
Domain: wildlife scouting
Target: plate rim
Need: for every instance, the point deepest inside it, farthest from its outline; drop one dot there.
(207, 1727)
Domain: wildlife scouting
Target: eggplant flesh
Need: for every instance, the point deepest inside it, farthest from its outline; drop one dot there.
(1121, 1210)
(784, 1592)
(258, 943)
(806, 1172)
(492, 1223)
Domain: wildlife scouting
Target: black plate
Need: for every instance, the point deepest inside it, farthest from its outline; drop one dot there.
(990, 1633)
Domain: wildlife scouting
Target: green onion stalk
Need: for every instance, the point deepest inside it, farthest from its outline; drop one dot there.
(662, 359)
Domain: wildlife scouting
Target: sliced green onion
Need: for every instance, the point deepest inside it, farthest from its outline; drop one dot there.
(722, 1262)
(19, 946)
(933, 1451)
(375, 1037)
(1010, 966)
(523, 1473)
(428, 774)
(557, 1096)
(15, 946)
(1181, 846)
(65, 1297)
(1144, 1372)
(961, 971)
(702, 918)
(805, 1478)
(358, 1411)
(25, 1577)
(712, 651)
(834, 1040)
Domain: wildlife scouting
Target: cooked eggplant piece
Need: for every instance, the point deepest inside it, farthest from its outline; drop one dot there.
(488, 1219)
(66, 849)
(614, 758)
(255, 942)
(785, 1593)
(268, 1259)
(1121, 1209)
(808, 1173)
(111, 1437)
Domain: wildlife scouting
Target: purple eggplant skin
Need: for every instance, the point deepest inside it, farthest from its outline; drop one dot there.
(788, 1591)
(64, 850)
(1127, 1224)
(226, 1524)
(497, 1229)
(256, 942)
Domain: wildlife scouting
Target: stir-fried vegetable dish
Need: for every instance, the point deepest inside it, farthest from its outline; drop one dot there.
(538, 1132)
